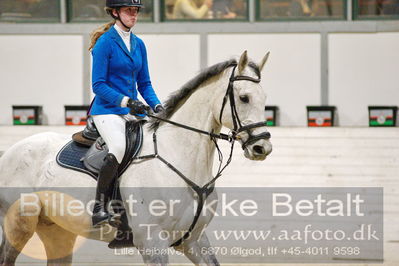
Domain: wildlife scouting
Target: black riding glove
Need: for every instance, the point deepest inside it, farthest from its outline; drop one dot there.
(136, 107)
(159, 108)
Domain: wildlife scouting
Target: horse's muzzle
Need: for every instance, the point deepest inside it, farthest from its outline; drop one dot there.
(254, 138)
(257, 148)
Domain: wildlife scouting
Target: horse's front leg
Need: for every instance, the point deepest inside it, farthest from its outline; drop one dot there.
(155, 255)
(154, 251)
(199, 251)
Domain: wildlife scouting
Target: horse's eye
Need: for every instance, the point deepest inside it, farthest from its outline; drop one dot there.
(244, 99)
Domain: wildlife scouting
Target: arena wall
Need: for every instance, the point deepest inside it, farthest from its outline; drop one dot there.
(52, 70)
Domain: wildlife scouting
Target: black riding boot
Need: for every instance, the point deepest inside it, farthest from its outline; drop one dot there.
(124, 237)
(106, 179)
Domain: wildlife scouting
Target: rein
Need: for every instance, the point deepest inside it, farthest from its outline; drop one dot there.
(204, 191)
(211, 134)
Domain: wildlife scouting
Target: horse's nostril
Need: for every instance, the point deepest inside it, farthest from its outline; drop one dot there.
(259, 149)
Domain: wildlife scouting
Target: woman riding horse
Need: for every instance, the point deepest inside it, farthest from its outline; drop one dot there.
(228, 94)
(119, 66)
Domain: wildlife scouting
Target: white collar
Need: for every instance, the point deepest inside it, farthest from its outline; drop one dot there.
(122, 32)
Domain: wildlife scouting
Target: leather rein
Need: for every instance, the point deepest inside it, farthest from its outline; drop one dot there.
(204, 191)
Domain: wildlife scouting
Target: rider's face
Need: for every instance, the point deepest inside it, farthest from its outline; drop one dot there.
(129, 15)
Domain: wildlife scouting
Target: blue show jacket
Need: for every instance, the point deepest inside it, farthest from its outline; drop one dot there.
(116, 71)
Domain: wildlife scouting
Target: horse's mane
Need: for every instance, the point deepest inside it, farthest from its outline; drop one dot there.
(174, 100)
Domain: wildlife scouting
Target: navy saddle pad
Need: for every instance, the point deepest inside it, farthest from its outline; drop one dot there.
(70, 156)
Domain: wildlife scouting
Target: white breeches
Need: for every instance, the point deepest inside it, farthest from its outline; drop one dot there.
(112, 129)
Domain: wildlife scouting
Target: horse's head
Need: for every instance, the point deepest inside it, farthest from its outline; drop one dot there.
(243, 108)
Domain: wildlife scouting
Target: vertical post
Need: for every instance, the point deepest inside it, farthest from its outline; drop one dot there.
(63, 11)
(349, 8)
(157, 11)
(203, 50)
(251, 10)
(86, 70)
(324, 68)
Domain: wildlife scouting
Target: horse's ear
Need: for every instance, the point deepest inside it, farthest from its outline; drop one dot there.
(243, 62)
(263, 62)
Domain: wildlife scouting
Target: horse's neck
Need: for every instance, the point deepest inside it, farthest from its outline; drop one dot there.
(197, 111)
(193, 153)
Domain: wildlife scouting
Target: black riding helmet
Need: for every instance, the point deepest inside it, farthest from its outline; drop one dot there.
(122, 3)
(117, 4)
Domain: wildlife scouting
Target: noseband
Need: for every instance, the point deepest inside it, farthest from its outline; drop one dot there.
(237, 125)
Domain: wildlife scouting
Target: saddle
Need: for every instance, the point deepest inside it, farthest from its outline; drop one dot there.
(86, 152)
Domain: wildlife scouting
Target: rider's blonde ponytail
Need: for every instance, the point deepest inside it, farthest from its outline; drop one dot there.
(98, 32)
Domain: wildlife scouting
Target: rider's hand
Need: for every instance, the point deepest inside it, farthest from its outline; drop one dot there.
(136, 107)
(159, 108)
